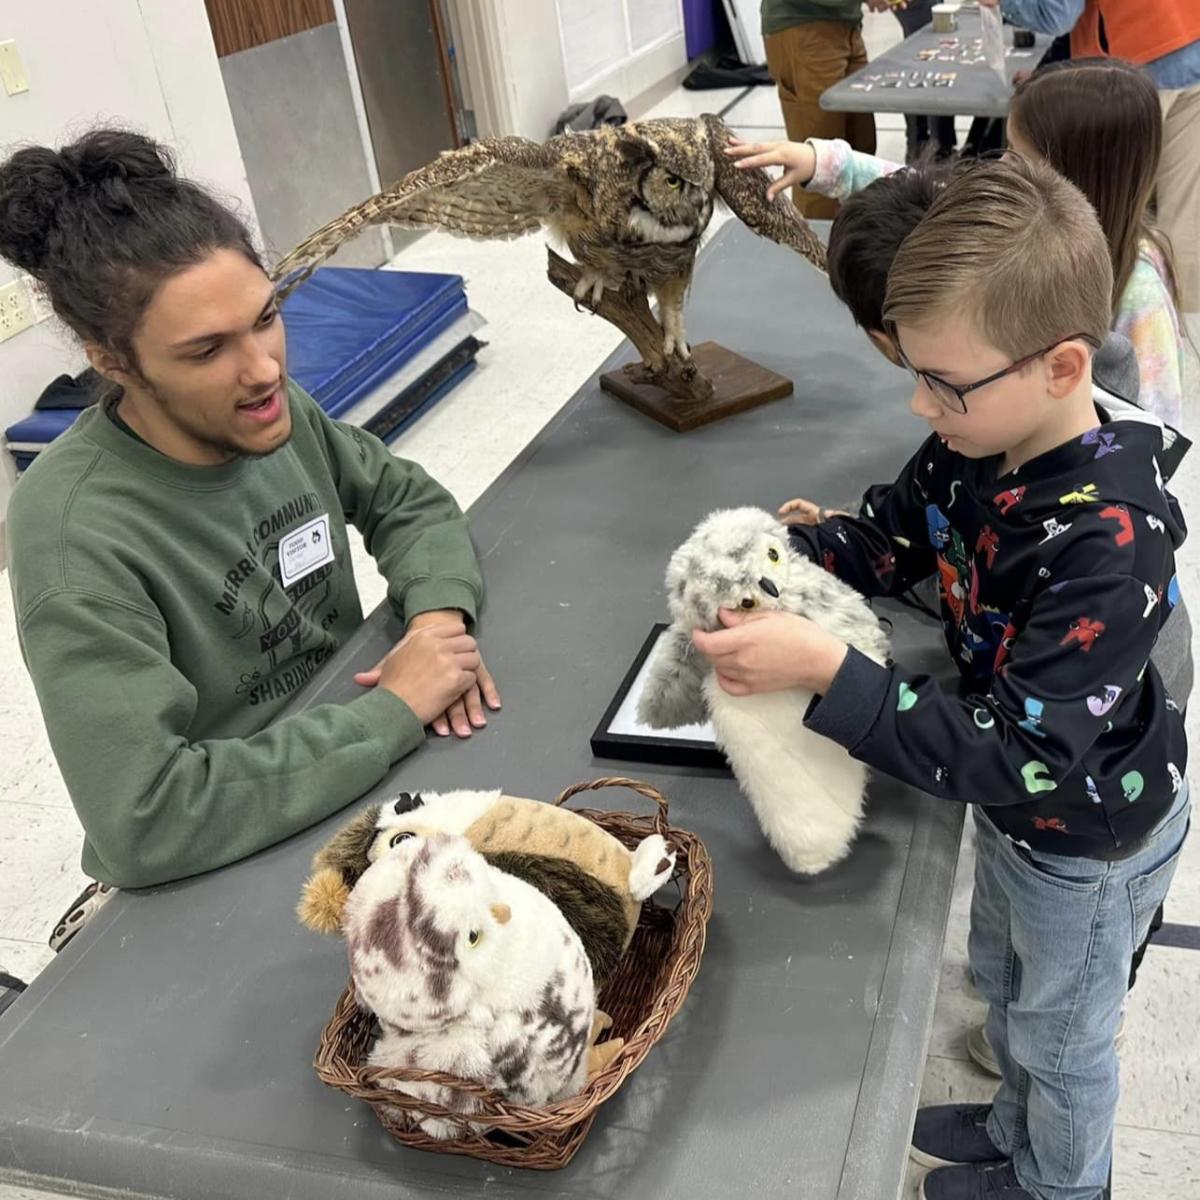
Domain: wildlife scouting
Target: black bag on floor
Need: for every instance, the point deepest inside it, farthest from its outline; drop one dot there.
(604, 110)
(728, 71)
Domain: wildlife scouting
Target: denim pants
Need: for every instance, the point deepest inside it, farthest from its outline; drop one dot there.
(1050, 946)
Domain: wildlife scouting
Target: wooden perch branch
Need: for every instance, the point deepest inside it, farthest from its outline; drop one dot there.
(629, 311)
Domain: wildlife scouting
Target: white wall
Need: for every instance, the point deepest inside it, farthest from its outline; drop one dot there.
(524, 61)
(619, 47)
(148, 64)
(534, 79)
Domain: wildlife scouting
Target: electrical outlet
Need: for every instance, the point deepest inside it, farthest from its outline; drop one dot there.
(15, 311)
(12, 71)
(39, 306)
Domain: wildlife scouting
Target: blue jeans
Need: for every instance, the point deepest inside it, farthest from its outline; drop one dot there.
(1050, 946)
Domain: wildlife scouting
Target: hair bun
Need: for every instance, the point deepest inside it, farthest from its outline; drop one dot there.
(108, 154)
(35, 184)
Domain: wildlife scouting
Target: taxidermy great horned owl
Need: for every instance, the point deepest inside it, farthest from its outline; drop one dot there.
(472, 972)
(806, 790)
(629, 202)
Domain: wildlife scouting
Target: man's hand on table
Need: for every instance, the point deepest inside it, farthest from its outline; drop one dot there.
(437, 671)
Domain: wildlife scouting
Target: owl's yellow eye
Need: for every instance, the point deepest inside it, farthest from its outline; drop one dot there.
(749, 602)
(773, 554)
(474, 937)
(673, 181)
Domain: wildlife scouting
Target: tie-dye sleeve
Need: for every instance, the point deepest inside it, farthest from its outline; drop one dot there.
(1146, 316)
(841, 171)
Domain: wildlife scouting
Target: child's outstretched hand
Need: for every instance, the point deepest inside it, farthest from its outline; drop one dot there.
(805, 512)
(798, 160)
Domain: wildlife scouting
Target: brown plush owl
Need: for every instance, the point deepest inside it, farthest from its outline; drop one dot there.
(629, 202)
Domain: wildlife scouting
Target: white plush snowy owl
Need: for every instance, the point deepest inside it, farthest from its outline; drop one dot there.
(470, 971)
(806, 790)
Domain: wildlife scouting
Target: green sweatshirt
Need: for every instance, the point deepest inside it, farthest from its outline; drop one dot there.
(167, 613)
(778, 15)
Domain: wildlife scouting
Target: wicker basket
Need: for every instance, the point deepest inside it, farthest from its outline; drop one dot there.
(648, 989)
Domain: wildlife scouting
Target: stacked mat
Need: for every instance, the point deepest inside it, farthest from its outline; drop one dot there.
(374, 348)
(378, 348)
(28, 438)
(57, 407)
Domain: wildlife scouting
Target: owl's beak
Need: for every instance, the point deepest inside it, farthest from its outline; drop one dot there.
(769, 587)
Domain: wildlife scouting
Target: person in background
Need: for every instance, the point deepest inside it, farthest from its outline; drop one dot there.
(922, 130)
(1164, 37)
(811, 45)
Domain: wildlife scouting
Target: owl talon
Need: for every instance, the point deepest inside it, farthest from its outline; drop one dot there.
(593, 282)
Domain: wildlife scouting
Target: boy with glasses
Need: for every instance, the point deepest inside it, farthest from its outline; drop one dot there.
(1046, 518)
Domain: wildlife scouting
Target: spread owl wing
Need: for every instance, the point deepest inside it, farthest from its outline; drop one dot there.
(496, 188)
(745, 193)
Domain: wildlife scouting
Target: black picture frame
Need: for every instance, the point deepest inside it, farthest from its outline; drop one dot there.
(661, 749)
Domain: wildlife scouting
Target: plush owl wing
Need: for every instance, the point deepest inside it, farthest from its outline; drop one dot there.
(495, 188)
(674, 694)
(745, 193)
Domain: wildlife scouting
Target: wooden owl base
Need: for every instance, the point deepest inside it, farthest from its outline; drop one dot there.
(738, 386)
(680, 393)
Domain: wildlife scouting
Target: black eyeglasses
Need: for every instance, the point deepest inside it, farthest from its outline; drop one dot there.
(954, 397)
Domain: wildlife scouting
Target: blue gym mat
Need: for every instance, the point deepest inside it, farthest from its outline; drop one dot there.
(349, 329)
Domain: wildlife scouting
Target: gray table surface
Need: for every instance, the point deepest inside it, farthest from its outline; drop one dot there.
(167, 1051)
(977, 92)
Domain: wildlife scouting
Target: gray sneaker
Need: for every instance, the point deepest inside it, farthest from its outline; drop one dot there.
(949, 1134)
(980, 1049)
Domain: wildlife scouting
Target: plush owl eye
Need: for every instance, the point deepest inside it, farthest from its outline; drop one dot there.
(401, 837)
(473, 937)
(773, 554)
(673, 181)
(749, 602)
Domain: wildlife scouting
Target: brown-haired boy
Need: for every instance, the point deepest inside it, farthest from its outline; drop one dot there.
(1046, 519)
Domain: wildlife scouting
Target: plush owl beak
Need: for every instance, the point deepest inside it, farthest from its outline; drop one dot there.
(769, 587)
(502, 913)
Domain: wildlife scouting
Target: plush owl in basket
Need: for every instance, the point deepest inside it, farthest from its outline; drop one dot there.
(806, 790)
(595, 880)
(469, 971)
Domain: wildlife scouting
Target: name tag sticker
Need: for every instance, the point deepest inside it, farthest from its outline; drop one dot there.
(304, 550)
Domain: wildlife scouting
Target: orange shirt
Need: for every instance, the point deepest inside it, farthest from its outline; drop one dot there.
(1137, 30)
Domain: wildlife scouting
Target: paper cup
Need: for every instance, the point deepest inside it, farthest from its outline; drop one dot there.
(945, 18)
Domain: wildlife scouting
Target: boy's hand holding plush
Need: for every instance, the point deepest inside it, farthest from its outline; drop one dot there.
(769, 652)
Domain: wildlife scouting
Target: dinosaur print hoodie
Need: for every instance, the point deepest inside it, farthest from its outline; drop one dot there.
(1055, 580)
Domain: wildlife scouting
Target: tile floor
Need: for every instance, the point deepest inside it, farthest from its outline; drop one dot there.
(539, 353)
